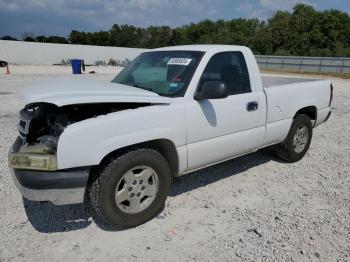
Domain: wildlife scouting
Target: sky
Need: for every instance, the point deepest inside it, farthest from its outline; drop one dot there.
(59, 17)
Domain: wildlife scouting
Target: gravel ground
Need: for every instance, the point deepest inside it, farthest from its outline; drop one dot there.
(252, 208)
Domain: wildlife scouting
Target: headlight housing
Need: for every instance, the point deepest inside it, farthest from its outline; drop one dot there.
(33, 162)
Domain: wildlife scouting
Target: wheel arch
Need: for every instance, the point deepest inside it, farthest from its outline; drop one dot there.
(164, 146)
(310, 111)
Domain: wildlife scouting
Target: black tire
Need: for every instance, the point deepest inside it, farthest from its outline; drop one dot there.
(103, 188)
(286, 150)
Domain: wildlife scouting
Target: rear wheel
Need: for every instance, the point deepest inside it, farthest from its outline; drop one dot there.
(298, 140)
(132, 188)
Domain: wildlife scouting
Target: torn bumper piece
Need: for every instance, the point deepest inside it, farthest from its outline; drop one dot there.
(60, 187)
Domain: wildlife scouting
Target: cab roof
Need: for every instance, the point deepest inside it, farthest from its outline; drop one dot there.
(202, 48)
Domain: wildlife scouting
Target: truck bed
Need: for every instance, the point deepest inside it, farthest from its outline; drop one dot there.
(285, 95)
(273, 80)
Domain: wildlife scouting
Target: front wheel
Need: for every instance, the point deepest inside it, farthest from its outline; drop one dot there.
(298, 140)
(132, 188)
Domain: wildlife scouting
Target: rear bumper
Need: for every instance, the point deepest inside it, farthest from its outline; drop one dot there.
(328, 116)
(323, 115)
(60, 187)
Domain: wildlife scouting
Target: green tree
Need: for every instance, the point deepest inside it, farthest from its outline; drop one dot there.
(77, 37)
(56, 39)
(40, 39)
(7, 37)
(304, 31)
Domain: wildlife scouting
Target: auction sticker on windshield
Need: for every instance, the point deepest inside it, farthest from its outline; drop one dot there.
(180, 61)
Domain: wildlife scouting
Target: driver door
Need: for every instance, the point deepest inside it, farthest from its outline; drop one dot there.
(220, 129)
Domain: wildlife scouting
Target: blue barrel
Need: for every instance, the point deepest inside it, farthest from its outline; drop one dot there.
(76, 65)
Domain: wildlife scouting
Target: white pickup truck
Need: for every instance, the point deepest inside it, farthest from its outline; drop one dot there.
(171, 111)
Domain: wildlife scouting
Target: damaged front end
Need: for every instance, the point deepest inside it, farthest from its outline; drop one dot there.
(41, 125)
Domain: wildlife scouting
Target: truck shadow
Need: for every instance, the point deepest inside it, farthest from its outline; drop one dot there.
(220, 171)
(49, 218)
(46, 217)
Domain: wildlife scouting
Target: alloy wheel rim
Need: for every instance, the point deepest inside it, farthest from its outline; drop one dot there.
(137, 189)
(300, 139)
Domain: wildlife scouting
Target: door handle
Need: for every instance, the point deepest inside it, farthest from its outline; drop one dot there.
(252, 106)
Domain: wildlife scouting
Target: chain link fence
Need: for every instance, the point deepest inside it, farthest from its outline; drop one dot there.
(305, 64)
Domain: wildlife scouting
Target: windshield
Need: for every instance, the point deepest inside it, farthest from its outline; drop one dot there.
(166, 73)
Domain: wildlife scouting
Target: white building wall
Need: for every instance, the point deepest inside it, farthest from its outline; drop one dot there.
(17, 52)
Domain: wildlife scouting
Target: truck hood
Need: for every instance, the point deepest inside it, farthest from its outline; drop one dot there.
(63, 91)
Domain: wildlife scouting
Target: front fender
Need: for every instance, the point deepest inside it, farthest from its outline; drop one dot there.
(87, 142)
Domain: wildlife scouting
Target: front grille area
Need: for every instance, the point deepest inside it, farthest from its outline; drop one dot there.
(23, 126)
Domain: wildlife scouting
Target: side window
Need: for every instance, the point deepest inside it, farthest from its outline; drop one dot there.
(230, 68)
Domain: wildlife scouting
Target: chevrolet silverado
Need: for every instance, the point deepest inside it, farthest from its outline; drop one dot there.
(171, 111)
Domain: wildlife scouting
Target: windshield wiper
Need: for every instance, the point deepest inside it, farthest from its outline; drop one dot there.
(149, 89)
(143, 87)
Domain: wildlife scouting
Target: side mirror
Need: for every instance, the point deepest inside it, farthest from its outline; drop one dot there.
(211, 90)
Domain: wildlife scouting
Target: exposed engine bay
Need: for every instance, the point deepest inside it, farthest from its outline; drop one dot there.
(41, 124)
